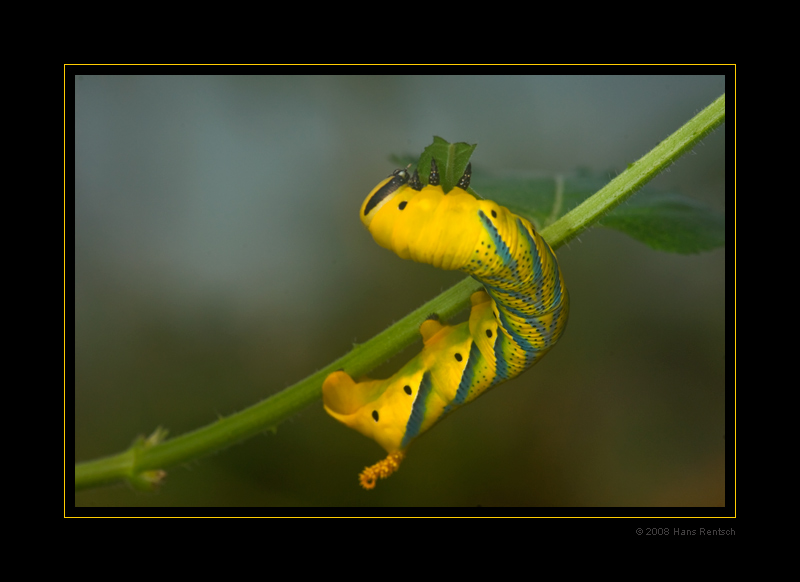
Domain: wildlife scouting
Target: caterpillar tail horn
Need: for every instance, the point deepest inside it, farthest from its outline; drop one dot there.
(380, 470)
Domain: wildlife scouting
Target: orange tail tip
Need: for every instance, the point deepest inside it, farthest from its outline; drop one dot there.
(381, 469)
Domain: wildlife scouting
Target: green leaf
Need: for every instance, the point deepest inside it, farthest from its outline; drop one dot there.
(664, 221)
(451, 159)
(669, 222)
(539, 198)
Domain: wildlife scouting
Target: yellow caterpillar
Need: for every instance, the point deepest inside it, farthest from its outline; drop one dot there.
(517, 318)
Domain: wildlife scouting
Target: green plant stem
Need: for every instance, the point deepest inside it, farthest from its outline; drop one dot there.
(637, 175)
(140, 464)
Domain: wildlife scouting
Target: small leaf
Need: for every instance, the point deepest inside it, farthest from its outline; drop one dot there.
(451, 159)
(148, 480)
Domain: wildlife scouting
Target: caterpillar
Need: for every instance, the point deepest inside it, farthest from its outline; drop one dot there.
(517, 318)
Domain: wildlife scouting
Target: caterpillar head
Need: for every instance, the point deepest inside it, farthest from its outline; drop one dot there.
(386, 191)
(400, 186)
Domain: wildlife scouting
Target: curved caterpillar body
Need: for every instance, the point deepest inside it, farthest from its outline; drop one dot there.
(514, 322)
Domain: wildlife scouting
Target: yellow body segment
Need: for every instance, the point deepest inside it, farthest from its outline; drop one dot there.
(357, 404)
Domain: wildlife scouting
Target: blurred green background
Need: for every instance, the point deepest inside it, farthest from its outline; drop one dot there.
(219, 259)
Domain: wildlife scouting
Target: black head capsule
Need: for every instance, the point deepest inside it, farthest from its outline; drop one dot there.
(415, 182)
(433, 178)
(463, 183)
(398, 178)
